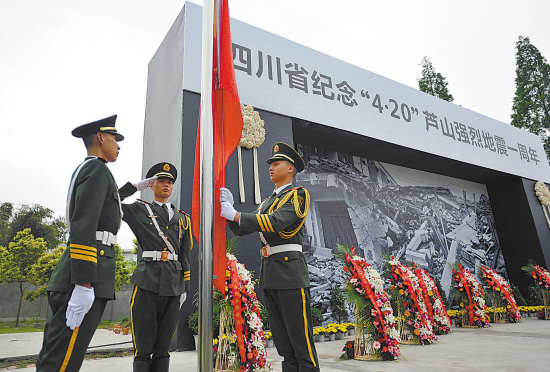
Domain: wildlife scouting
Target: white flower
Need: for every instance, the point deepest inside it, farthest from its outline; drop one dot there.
(253, 134)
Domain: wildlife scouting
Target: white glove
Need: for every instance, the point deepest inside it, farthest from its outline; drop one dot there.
(143, 184)
(80, 303)
(227, 211)
(226, 196)
(183, 296)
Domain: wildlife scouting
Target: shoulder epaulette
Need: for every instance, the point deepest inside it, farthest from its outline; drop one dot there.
(145, 202)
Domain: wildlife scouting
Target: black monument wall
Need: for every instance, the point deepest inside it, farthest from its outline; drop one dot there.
(523, 231)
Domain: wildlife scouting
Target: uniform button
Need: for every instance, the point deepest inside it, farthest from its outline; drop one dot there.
(165, 248)
(102, 252)
(150, 223)
(286, 258)
(166, 227)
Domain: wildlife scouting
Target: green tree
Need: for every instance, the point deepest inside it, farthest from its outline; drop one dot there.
(39, 219)
(317, 317)
(124, 269)
(6, 211)
(534, 295)
(338, 305)
(433, 82)
(520, 300)
(17, 259)
(531, 107)
(40, 273)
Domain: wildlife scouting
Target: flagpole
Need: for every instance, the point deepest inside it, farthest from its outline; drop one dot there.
(206, 155)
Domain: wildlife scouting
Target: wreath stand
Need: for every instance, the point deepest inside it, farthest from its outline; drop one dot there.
(546, 297)
(225, 357)
(407, 338)
(499, 309)
(363, 349)
(466, 320)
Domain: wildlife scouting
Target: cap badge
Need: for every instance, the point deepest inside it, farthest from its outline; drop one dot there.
(166, 167)
(276, 148)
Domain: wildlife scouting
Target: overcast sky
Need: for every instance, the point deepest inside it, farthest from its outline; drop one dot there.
(68, 62)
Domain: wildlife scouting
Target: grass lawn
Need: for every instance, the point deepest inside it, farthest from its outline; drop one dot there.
(25, 325)
(37, 325)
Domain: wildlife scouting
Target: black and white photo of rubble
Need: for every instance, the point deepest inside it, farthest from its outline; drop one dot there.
(382, 210)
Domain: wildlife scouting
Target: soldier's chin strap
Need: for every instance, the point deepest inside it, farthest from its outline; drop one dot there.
(161, 234)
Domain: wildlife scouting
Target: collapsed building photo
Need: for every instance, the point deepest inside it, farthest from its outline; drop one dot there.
(357, 202)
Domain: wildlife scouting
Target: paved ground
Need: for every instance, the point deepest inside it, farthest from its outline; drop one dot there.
(503, 347)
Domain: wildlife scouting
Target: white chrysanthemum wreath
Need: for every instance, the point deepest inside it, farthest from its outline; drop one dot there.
(252, 137)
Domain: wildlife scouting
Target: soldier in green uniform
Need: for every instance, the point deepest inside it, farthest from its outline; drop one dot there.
(84, 279)
(162, 274)
(284, 276)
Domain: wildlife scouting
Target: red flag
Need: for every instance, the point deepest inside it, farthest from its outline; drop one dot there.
(228, 126)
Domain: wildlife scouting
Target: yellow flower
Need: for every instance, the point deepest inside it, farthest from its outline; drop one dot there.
(430, 293)
(215, 341)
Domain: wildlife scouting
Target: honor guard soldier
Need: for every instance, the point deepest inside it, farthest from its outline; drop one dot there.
(162, 274)
(284, 276)
(84, 279)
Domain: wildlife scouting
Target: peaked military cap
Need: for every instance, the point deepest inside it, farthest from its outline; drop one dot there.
(163, 170)
(106, 125)
(282, 151)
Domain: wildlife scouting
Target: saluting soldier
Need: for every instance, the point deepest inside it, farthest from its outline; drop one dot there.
(84, 279)
(284, 276)
(162, 274)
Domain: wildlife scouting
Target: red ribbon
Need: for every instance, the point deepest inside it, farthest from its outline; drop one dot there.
(235, 286)
(434, 287)
(505, 290)
(368, 290)
(467, 289)
(425, 295)
(412, 293)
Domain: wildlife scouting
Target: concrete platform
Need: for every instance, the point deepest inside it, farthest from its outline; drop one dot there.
(502, 347)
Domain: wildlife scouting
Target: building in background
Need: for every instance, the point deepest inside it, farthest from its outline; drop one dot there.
(391, 170)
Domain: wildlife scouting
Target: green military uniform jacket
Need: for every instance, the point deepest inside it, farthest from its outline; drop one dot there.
(167, 278)
(94, 205)
(281, 220)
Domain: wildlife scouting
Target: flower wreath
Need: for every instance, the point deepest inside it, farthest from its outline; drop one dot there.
(542, 277)
(365, 288)
(245, 325)
(501, 288)
(469, 288)
(413, 311)
(434, 303)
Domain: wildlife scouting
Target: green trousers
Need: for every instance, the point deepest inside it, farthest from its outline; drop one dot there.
(63, 350)
(154, 322)
(289, 315)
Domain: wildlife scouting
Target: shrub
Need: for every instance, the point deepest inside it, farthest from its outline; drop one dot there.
(316, 317)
